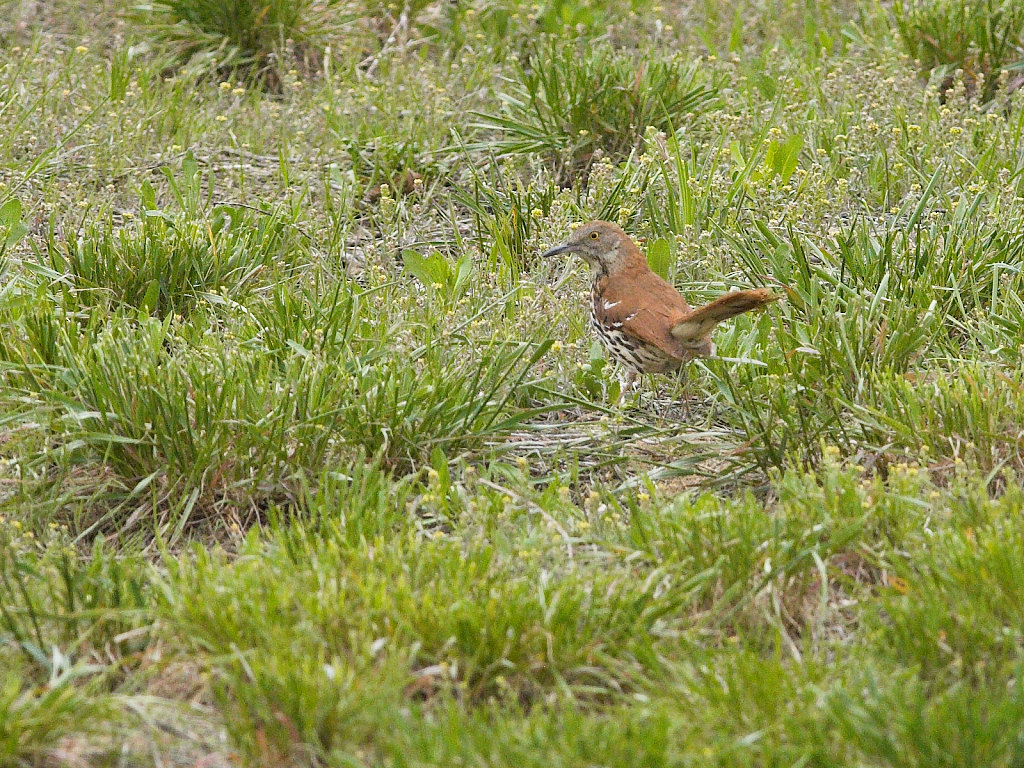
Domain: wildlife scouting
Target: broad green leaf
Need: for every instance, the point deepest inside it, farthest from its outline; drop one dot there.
(189, 167)
(10, 219)
(430, 270)
(148, 195)
(416, 266)
(788, 156)
(659, 257)
(736, 152)
(10, 212)
(440, 269)
(782, 156)
(149, 301)
(439, 462)
(463, 272)
(15, 234)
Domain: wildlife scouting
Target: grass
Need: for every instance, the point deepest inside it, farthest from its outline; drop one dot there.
(240, 33)
(569, 108)
(307, 458)
(985, 41)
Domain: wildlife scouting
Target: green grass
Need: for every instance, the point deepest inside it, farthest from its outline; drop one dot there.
(241, 33)
(568, 108)
(985, 41)
(307, 458)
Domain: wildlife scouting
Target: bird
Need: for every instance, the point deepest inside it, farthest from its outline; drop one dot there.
(643, 322)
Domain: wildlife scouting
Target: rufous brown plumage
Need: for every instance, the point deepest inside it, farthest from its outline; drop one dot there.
(642, 321)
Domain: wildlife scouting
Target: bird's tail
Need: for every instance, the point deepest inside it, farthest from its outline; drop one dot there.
(694, 330)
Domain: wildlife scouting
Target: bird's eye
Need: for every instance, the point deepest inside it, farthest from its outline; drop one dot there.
(594, 236)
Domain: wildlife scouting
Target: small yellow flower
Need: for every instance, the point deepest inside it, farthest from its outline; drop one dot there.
(221, 119)
(225, 85)
(82, 49)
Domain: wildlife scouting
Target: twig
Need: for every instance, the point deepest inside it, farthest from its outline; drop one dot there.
(400, 26)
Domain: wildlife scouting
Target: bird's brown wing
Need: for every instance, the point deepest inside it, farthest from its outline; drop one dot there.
(645, 307)
(693, 330)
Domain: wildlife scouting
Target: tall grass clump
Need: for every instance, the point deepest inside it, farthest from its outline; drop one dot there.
(168, 260)
(566, 105)
(166, 263)
(239, 33)
(214, 410)
(430, 617)
(71, 628)
(879, 353)
(984, 39)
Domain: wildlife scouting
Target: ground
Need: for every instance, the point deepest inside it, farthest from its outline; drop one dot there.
(307, 458)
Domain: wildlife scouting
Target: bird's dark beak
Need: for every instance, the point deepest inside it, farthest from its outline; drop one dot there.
(555, 251)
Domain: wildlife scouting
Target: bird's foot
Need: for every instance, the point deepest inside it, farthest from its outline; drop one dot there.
(685, 381)
(627, 383)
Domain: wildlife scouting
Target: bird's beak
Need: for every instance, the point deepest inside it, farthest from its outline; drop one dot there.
(555, 251)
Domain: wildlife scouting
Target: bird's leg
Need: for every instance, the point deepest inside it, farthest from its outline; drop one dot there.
(626, 381)
(685, 380)
(655, 387)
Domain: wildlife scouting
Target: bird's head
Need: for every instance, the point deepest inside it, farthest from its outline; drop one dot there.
(603, 245)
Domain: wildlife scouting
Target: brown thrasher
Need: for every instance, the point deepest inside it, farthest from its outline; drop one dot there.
(641, 320)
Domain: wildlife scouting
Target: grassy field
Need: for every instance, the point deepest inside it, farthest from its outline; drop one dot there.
(307, 458)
